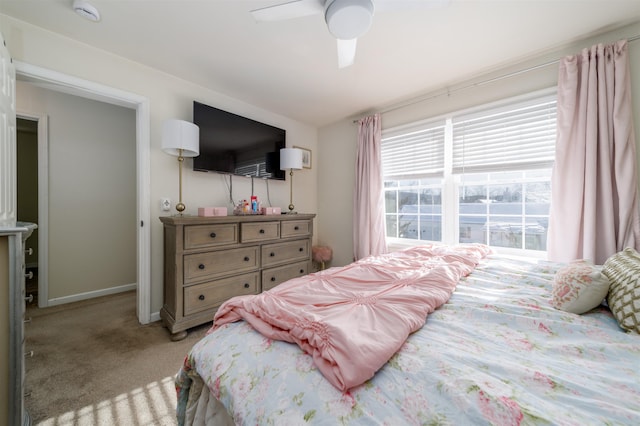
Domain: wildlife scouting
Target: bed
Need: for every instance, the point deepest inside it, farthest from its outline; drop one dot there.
(497, 351)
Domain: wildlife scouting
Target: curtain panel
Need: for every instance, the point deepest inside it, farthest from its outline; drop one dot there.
(594, 201)
(368, 203)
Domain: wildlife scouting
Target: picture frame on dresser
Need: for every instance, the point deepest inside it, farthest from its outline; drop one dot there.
(208, 260)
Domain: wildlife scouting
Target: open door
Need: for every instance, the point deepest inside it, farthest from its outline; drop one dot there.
(8, 185)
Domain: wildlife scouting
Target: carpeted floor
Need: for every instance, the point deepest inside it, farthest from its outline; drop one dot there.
(94, 364)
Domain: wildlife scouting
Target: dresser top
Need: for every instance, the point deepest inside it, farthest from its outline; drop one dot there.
(202, 220)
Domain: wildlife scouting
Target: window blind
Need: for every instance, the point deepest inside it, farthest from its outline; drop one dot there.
(417, 151)
(251, 169)
(516, 137)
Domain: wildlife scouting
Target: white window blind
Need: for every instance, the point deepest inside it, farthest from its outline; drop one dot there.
(514, 137)
(412, 152)
(251, 169)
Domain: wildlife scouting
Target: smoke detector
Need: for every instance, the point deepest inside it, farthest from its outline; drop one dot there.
(86, 10)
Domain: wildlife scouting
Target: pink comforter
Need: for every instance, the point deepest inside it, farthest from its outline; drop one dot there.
(354, 318)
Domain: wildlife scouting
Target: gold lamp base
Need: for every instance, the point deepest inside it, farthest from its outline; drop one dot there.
(180, 206)
(291, 206)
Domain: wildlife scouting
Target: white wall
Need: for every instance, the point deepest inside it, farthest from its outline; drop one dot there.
(169, 97)
(337, 142)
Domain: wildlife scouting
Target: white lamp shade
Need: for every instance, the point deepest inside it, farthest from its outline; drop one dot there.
(290, 158)
(180, 134)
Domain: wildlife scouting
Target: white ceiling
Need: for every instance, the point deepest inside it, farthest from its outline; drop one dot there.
(290, 67)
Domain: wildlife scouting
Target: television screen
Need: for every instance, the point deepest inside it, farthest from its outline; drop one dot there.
(237, 145)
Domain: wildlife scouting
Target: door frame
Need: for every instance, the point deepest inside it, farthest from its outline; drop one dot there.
(60, 82)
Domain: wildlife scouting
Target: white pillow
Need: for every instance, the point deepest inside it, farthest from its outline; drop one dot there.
(579, 287)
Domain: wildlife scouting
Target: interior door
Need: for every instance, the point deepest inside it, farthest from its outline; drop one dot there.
(8, 187)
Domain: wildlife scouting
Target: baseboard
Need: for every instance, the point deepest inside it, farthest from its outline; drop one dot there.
(155, 316)
(91, 295)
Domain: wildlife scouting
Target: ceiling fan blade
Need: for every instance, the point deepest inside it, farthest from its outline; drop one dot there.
(346, 52)
(289, 10)
(392, 5)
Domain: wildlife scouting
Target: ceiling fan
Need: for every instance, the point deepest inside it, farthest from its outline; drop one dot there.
(346, 19)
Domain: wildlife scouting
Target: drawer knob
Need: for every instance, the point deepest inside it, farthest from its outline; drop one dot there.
(273, 279)
(29, 275)
(302, 271)
(246, 285)
(212, 235)
(201, 297)
(272, 254)
(201, 266)
(246, 258)
(296, 228)
(262, 231)
(301, 249)
(29, 251)
(29, 298)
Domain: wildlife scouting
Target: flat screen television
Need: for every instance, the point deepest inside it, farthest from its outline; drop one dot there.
(237, 145)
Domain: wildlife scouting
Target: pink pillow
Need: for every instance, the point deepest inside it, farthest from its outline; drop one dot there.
(579, 287)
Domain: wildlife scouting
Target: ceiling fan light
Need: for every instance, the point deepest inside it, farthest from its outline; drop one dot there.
(349, 19)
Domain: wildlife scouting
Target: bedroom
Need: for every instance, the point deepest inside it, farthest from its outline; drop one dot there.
(316, 189)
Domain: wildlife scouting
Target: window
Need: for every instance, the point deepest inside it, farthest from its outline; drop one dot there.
(482, 176)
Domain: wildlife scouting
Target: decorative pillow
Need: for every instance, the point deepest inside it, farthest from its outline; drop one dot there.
(579, 287)
(623, 271)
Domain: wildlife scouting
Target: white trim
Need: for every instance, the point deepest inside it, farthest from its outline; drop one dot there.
(91, 294)
(43, 203)
(87, 89)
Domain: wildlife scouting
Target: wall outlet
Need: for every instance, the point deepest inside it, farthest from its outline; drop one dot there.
(165, 204)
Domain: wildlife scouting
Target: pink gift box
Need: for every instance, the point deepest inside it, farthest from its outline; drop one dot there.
(271, 210)
(212, 211)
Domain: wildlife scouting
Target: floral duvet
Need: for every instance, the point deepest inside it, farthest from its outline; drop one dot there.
(496, 353)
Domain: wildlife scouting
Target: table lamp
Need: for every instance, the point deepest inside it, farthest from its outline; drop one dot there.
(291, 159)
(182, 139)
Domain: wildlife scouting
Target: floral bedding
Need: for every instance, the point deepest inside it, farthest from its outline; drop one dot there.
(354, 318)
(496, 353)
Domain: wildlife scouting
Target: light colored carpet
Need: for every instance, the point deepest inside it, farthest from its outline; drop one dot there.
(94, 364)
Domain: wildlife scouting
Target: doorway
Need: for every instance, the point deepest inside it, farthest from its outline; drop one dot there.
(27, 196)
(86, 89)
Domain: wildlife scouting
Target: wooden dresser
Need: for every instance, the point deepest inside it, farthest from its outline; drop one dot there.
(208, 260)
(12, 311)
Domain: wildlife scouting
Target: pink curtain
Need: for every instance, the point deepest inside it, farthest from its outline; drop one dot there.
(368, 201)
(594, 202)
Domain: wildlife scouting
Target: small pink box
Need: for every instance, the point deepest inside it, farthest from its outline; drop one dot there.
(212, 211)
(271, 210)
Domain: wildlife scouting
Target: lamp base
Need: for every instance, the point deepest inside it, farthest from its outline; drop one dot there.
(291, 211)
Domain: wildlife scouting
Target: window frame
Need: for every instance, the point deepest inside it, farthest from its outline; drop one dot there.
(451, 182)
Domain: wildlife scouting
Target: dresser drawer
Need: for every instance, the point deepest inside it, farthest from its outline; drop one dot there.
(274, 276)
(259, 231)
(198, 267)
(295, 228)
(201, 236)
(278, 253)
(211, 294)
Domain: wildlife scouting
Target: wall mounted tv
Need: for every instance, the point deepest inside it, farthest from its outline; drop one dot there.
(237, 145)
